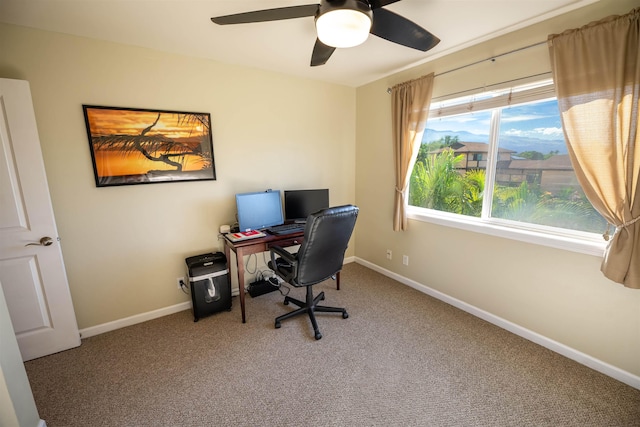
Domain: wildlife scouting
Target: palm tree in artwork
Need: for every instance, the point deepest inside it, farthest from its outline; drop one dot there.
(158, 147)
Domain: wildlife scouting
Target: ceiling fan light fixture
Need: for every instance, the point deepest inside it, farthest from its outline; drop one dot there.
(345, 26)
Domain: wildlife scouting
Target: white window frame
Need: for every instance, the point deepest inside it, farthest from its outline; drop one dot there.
(559, 238)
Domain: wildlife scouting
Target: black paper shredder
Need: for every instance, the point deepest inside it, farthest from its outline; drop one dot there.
(209, 283)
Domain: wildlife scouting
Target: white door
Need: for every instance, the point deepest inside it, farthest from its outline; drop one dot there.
(32, 273)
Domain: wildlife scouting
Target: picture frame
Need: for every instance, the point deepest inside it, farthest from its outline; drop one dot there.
(143, 146)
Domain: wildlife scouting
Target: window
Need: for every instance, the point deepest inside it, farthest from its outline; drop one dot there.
(500, 160)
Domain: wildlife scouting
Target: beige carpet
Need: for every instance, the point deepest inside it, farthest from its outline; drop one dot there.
(401, 358)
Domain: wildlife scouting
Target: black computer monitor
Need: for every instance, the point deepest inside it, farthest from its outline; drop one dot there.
(259, 210)
(299, 204)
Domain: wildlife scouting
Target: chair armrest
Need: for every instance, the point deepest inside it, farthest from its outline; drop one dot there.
(288, 258)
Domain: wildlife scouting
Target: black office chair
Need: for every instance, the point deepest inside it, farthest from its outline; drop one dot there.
(320, 257)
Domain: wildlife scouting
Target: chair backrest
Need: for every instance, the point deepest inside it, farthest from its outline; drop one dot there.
(326, 237)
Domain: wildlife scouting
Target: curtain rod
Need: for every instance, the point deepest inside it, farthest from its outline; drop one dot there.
(491, 58)
(547, 73)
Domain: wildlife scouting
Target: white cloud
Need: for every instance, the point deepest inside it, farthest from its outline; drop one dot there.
(520, 118)
(549, 131)
(542, 133)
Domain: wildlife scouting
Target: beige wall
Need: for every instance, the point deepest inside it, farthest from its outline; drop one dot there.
(559, 294)
(125, 246)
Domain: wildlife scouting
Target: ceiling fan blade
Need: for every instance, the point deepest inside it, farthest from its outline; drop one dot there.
(268, 15)
(375, 4)
(397, 29)
(321, 53)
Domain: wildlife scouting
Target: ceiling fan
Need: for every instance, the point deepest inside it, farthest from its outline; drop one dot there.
(344, 23)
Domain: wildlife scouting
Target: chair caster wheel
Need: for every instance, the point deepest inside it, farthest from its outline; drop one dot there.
(278, 325)
(286, 302)
(318, 335)
(345, 315)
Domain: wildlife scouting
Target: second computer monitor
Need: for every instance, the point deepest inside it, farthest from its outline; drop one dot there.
(299, 204)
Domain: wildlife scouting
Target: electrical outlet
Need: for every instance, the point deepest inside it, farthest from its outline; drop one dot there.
(180, 281)
(405, 259)
(389, 253)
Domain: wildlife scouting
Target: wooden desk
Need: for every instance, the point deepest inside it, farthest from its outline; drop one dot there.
(259, 245)
(254, 246)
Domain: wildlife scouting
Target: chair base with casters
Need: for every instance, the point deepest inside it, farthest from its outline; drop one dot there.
(310, 306)
(319, 258)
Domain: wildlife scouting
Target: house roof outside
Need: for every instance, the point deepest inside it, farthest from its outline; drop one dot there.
(557, 162)
(471, 147)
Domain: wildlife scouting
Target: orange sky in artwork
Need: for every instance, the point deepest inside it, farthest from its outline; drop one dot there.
(126, 122)
(112, 163)
(119, 122)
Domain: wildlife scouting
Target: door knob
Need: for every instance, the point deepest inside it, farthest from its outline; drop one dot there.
(45, 241)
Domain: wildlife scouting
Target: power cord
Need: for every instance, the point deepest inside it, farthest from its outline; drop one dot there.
(265, 274)
(246, 266)
(183, 286)
(280, 285)
(274, 279)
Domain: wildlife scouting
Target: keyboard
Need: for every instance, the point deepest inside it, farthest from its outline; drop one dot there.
(279, 230)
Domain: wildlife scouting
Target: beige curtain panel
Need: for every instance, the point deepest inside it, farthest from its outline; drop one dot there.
(409, 111)
(596, 70)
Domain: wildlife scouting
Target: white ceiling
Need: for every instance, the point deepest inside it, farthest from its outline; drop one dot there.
(184, 26)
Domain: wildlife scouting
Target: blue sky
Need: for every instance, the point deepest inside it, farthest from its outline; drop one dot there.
(540, 120)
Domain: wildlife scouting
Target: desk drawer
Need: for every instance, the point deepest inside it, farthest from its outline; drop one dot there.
(293, 241)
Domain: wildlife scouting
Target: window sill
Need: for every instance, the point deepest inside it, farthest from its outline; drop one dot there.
(585, 243)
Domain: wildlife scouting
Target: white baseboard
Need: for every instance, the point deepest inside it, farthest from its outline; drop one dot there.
(41, 423)
(132, 320)
(143, 317)
(571, 353)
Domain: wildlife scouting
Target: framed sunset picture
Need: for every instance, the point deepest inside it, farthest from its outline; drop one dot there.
(135, 146)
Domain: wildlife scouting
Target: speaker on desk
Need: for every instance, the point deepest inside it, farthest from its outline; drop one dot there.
(209, 284)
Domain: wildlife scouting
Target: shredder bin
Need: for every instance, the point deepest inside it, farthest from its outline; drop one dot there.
(209, 283)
